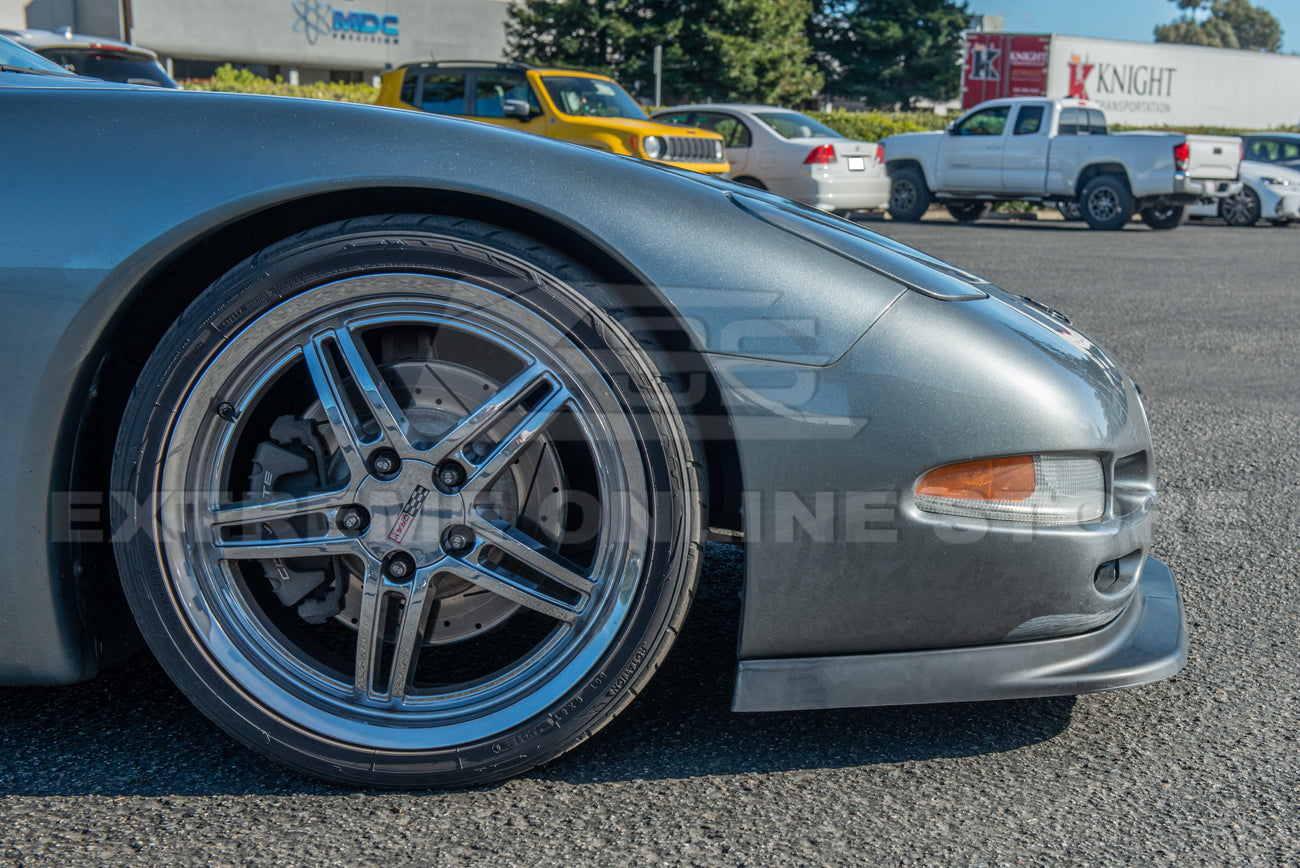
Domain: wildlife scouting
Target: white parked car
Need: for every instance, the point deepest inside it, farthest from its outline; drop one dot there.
(792, 155)
(1269, 191)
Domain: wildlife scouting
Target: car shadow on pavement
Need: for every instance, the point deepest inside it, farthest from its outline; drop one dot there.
(130, 732)
(682, 725)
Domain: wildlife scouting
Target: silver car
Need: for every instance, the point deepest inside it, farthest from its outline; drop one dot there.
(792, 155)
(403, 469)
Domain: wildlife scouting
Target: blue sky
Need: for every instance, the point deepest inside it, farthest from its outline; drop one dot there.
(1115, 19)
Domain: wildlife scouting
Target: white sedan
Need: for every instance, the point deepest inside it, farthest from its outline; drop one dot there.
(1268, 191)
(792, 155)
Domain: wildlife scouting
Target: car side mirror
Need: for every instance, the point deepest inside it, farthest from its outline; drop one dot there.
(517, 108)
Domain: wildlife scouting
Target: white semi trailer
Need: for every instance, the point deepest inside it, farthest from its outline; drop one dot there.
(1137, 83)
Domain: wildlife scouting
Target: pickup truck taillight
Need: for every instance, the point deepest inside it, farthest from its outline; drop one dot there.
(1182, 156)
(821, 154)
(880, 154)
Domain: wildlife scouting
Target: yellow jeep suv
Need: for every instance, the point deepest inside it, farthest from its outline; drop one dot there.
(579, 107)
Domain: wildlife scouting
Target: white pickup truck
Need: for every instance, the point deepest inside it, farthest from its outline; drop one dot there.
(1057, 151)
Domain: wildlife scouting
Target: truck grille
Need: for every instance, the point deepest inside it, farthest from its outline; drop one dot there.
(690, 149)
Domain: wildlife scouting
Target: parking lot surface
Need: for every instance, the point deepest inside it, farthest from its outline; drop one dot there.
(1201, 769)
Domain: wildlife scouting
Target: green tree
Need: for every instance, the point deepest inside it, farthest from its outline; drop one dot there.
(1231, 24)
(750, 50)
(762, 52)
(596, 35)
(890, 52)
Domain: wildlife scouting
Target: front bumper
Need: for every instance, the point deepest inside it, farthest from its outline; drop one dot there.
(1288, 207)
(1147, 642)
(831, 188)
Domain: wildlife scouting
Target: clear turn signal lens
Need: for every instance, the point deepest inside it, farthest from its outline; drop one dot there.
(1040, 489)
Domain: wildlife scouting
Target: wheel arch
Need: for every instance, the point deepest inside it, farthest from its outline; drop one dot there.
(151, 304)
(1087, 173)
(892, 167)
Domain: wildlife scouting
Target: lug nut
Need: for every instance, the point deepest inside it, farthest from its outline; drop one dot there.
(458, 540)
(400, 567)
(451, 475)
(353, 519)
(385, 463)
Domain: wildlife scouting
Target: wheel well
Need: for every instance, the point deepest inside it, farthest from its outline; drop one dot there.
(898, 165)
(161, 298)
(1097, 170)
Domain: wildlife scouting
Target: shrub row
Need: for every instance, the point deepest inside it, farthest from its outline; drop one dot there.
(227, 79)
(874, 126)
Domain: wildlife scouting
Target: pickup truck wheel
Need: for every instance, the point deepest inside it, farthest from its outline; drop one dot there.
(1163, 216)
(1106, 203)
(967, 211)
(909, 197)
(1240, 209)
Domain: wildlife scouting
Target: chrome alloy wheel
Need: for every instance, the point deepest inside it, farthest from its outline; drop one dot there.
(1240, 209)
(400, 579)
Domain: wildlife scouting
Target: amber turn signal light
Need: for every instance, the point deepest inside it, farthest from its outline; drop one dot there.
(1007, 479)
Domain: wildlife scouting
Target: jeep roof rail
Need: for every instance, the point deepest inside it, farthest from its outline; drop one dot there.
(471, 64)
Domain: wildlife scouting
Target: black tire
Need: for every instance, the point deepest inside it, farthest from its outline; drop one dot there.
(967, 210)
(336, 346)
(909, 197)
(1240, 209)
(1163, 216)
(1106, 203)
(747, 181)
(1070, 211)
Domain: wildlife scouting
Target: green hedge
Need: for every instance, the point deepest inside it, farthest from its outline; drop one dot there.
(227, 79)
(874, 126)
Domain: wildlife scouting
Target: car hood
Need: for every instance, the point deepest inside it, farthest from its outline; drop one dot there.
(1254, 170)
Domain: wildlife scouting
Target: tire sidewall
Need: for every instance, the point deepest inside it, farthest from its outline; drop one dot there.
(1123, 200)
(905, 179)
(448, 248)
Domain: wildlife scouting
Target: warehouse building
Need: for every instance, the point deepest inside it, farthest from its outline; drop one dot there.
(301, 40)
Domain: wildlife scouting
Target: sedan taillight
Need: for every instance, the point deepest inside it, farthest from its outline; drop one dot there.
(821, 154)
(880, 154)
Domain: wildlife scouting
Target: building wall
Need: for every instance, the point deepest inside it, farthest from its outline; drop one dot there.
(364, 35)
(13, 14)
(91, 17)
(314, 36)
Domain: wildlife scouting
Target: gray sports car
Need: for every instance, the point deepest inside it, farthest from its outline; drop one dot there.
(398, 438)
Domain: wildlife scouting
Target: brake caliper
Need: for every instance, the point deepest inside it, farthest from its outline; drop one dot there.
(291, 462)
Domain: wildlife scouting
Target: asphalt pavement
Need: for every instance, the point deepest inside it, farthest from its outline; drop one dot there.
(1202, 769)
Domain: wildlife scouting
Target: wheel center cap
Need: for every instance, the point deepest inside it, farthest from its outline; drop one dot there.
(408, 513)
